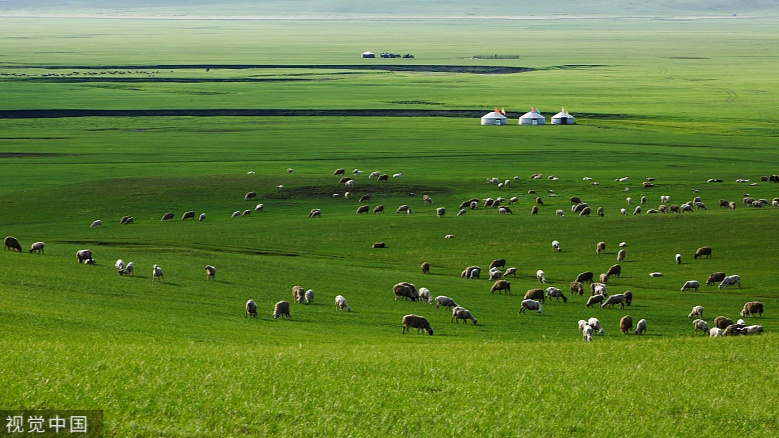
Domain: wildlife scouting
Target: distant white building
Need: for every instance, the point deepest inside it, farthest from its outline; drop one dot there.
(368, 55)
(532, 118)
(562, 118)
(494, 118)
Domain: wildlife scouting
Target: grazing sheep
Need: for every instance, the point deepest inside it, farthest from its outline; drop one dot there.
(614, 299)
(309, 296)
(383, 177)
(440, 212)
(703, 251)
(97, 223)
(595, 299)
(459, 313)
(444, 301)
(156, 273)
(119, 266)
(751, 308)
(425, 267)
(340, 304)
(577, 288)
(378, 209)
(403, 208)
(11, 243)
(374, 175)
(641, 327)
(623, 244)
(697, 312)
(188, 215)
(741, 322)
(621, 256)
(417, 322)
(678, 258)
(362, 209)
(600, 247)
(315, 212)
(405, 290)
(535, 294)
(637, 210)
(629, 201)
(691, 284)
(730, 280)
(85, 256)
(626, 324)
(298, 294)
(364, 198)
(732, 330)
(246, 213)
(560, 212)
(504, 210)
(167, 216)
(553, 292)
(495, 274)
(603, 278)
(583, 325)
(37, 247)
(500, 286)
(498, 263)
(210, 272)
(753, 329)
(462, 212)
(202, 217)
(539, 200)
(528, 304)
(250, 195)
(126, 220)
(428, 200)
(379, 245)
(716, 332)
(236, 213)
(701, 325)
(595, 324)
(471, 272)
(510, 271)
(579, 207)
(587, 333)
(281, 309)
(623, 212)
(541, 276)
(628, 297)
(585, 277)
(556, 246)
(614, 270)
(722, 322)
(513, 200)
(655, 274)
(665, 199)
(346, 181)
(534, 210)
(259, 208)
(129, 269)
(424, 295)
(251, 309)
(339, 171)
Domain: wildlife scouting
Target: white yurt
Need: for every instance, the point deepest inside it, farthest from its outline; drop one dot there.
(494, 118)
(562, 118)
(532, 118)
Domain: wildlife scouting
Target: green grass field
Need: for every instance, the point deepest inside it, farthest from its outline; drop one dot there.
(678, 101)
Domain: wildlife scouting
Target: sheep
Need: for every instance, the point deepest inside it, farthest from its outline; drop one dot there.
(595, 324)
(281, 309)
(621, 256)
(362, 209)
(559, 212)
(246, 213)
(603, 278)
(444, 301)
(697, 312)
(428, 200)
(378, 209)
(641, 327)
(250, 195)
(97, 223)
(655, 274)
(691, 284)
(85, 256)
(374, 175)
(751, 308)
(495, 274)
(741, 322)
(424, 295)
(553, 292)
(505, 210)
(577, 287)
(309, 296)
(403, 209)
(614, 270)
(584, 277)
(535, 294)
(440, 212)
(716, 332)
(339, 171)
(513, 200)
(701, 325)
(730, 280)
(471, 272)
(623, 212)
(595, 299)
(37, 247)
(315, 212)
(167, 216)
(12, 243)
(534, 210)
(128, 270)
(379, 245)
(202, 217)
(678, 258)
(665, 199)
(628, 297)
(156, 273)
(753, 329)
(662, 209)
(126, 220)
(599, 289)
(459, 313)
(510, 271)
(500, 286)
(417, 322)
(349, 183)
(703, 251)
(383, 177)
(587, 333)
(405, 290)
(579, 207)
(629, 201)
(674, 209)
(210, 272)
(614, 299)
(626, 324)
(732, 330)
(188, 215)
(722, 322)
(425, 267)
(498, 263)
(528, 304)
(251, 309)
(236, 213)
(583, 325)
(340, 304)
(600, 247)
(397, 175)
(364, 198)
(119, 266)
(556, 246)
(600, 212)
(259, 208)
(298, 294)
(539, 200)
(623, 244)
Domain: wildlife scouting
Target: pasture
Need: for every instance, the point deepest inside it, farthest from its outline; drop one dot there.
(677, 101)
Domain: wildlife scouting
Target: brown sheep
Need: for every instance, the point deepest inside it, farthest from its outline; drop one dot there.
(500, 286)
(595, 299)
(378, 209)
(404, 290)
(167, 216)
(751, 308)
(628, 297)
(535, 294)
(703, 251)
(12, 244)
(715, 278)
(188, 215)
(417, 322)
(425, 268)
(577, 287)
(600, 247)
(363, 209)
(498, 263)
(281, 309)
(722, 322)
(674, 209)
(600, 211)
(584, 277)
(732, 330)
(299, 294)
(626, 324)
(604, 278)
(614, 270)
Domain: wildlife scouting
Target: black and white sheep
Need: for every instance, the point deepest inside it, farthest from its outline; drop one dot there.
(210, 272)
(440, 212)
(250, 195)
(553, 292)
(444, 301)
(202, 217)
(701, 325)
(417, 322)
(459, 313)
(119, 265)
(678, 258)
(11, 243)
(528, 304)
(315, 212)
(168, 216)
(259, 208)
(251, 309)
(236, 213)
(37, 247)
(697, 313)
(730, 280)
(363, 209)
(378, 209)
(97, 223)
(751, 308)
(188, 215)
(126, 220)
(425, 267)
(691, 284)
(156, 273)
(556, 246)
(281, 309)
(309, 296)
(129, 269)
(340, 304)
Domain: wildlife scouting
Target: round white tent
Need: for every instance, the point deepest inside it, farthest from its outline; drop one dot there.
(532, 118)
(494, 118)
(563, 118)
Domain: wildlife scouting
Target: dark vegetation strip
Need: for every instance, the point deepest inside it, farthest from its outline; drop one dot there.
(267, 112)
(101, 79)
(486, 69)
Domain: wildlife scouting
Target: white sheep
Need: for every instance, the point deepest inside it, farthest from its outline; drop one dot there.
(251, 309)
(716, 332)
(582, 325)
(697, 312)
(729, 281)
(374, 175)
(236, 214)
(444, 301)
(587, 333)
(97, 223)
(340, 304)
(655, 274)
(128, 270)
(629, 200)
(641, 327)
(459, 313)
(37, 247)
(595, 324)
(424, 294)
(665, 199)
(754, 329)
(449, 236)
(259, 208)
(530, 305)
(541, 276)
(309, 296)
(119, 266)
(495, 274)
(281, 309)
(156, 273)
(701, 325)
(691, 284)
(623, 212)
(357, 172)
(510, 271)
(614, 299)
(202, 217)
(556, 246)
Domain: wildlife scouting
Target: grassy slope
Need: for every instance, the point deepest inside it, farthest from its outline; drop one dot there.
(178, 359)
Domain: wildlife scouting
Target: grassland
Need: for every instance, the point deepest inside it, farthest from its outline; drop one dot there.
(678, 101)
